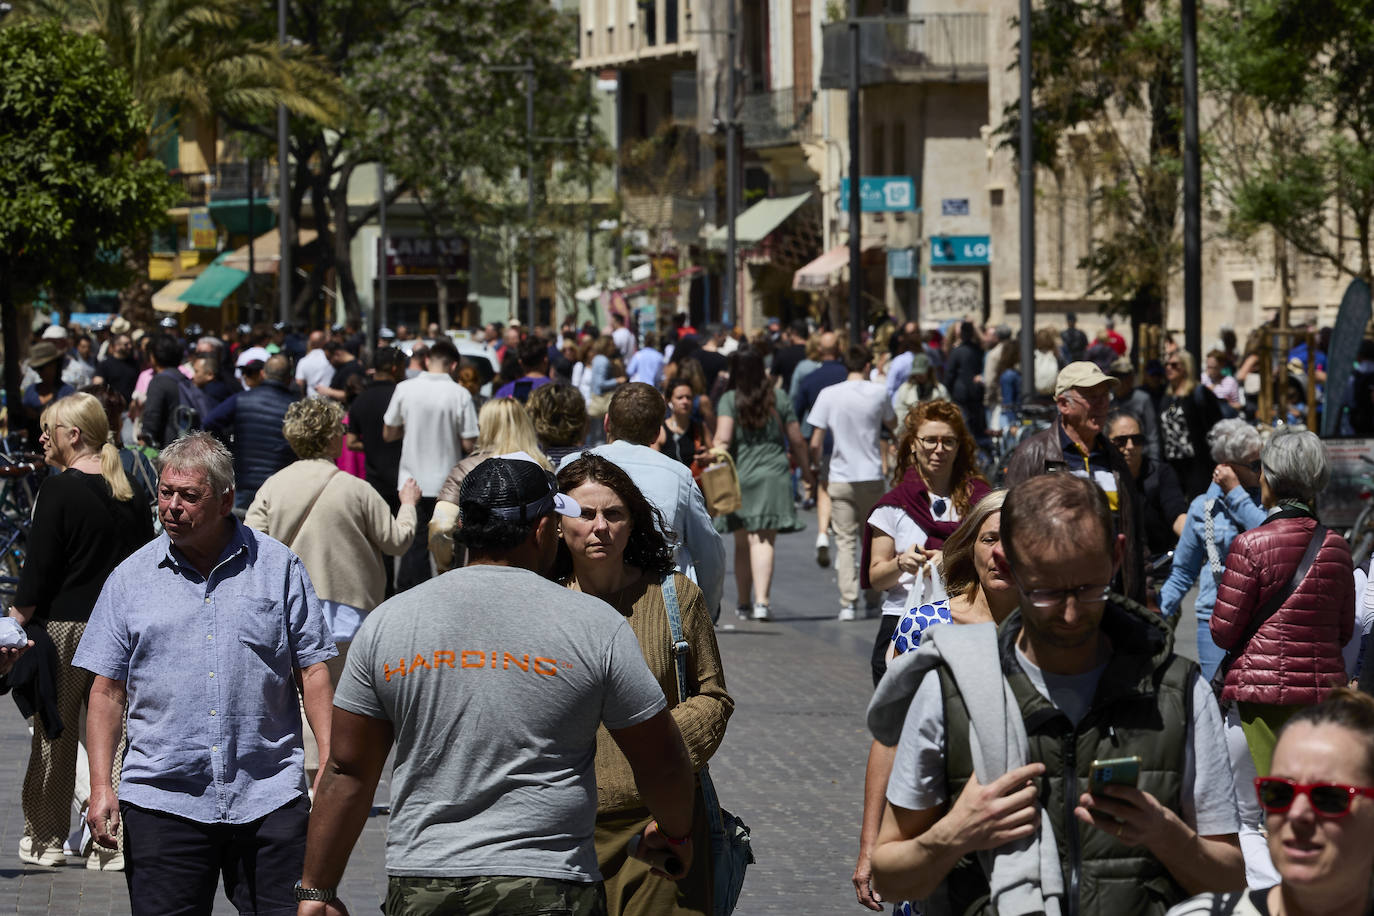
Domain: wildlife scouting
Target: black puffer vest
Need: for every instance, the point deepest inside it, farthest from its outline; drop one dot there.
(1142, 707)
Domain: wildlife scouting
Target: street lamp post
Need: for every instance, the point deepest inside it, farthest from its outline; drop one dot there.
(283, 191)
(727, 300)
(1027, 154)
(1192, 190)
(855, 195)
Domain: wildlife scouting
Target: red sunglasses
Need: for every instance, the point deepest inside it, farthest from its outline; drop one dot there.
(1329, 799)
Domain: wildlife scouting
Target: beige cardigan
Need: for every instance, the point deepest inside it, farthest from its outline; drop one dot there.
(342, 540)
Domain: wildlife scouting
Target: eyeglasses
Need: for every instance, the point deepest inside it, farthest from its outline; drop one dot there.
(1048, 599)
(1329, 799)
(1254, 466)
(48, 430)
(1173, 364)
(949, 443)
(1136, 439)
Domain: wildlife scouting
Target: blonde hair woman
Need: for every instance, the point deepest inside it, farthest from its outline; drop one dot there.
(87, 519)
(1187, 414)
(504, 426)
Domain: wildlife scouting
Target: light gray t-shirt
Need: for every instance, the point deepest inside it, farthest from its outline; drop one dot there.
(438, 415)
(496, 680)
(1208, 798)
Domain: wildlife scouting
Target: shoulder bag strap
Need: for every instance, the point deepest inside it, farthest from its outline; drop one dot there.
(291, 540)
(680, 644)
(1209, 537)
(1270, 607)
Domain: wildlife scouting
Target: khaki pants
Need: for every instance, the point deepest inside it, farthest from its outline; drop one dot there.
(851, 504)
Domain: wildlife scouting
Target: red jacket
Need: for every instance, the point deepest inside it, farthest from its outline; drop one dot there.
(1294, 658)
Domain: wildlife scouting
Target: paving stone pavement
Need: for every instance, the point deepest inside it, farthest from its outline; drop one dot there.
(791, 765)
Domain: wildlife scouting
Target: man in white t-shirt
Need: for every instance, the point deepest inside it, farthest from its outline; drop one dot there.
(1093, 676)
(315, 367)
(433, 418)
(855, 412)
(624, 338)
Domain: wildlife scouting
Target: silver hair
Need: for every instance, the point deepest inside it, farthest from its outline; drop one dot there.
(1233, 441)
(200, 451)
(1295, 464)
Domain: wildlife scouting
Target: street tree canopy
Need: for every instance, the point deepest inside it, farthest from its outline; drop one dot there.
(73, 190)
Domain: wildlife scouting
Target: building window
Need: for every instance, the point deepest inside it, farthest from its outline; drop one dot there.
(899, 148)
(877, 150)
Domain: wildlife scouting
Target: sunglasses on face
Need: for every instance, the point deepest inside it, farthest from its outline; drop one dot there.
(1136, 439)
(1329, 799)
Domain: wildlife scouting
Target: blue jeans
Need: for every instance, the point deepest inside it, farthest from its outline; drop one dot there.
(1209, 655)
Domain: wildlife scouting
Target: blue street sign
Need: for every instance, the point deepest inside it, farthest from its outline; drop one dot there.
(901, 263)
(961, 250)
(882, 193)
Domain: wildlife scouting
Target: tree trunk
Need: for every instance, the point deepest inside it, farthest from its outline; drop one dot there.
(9, 315)
(136, 299)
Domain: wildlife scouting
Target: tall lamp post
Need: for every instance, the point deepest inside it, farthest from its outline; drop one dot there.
(283, 191)
(1027, 154)
(855, 171)
(1192, 190)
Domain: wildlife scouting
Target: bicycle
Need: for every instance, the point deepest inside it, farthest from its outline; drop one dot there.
(1360, 536)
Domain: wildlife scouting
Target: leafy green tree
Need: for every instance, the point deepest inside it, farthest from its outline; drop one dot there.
(73, 188)
(1107, 111)
(1293, 146)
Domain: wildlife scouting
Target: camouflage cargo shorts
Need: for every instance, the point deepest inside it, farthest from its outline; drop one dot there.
(492, 896)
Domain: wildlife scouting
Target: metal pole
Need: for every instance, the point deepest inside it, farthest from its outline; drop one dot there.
(385, 249)
(1192, 191)
(727, 299)
(529, 204)
(283, 191)
(855, 179)
(1027, 153)
(252, 261)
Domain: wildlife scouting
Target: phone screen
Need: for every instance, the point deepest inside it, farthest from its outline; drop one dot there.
(1120, 771)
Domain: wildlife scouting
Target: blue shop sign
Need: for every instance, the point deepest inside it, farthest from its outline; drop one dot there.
(882, 193)
(961, 250)
(901, 263)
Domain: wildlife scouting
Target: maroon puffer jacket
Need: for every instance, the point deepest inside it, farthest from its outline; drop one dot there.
(1295, 657)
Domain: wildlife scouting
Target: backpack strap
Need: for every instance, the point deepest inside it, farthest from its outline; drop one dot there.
(1209, 538)
(680, 645)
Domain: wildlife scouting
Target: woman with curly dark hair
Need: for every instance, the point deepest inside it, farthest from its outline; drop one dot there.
(935, 483)
(615, 550)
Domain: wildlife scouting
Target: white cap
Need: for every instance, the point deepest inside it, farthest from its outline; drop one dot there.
(54, 332)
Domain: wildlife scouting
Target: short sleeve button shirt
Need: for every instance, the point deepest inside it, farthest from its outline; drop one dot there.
(214, 725)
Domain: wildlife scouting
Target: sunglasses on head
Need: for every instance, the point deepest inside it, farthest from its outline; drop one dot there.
(1329, 799)
(1136, 439)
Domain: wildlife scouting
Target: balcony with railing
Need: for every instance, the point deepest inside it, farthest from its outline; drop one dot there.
(778, 118)
(929, 47)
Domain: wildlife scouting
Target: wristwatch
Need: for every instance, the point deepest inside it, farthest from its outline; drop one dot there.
(320, 894)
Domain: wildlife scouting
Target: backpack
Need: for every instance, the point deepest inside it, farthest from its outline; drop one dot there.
(1046, 372)
(193, 406)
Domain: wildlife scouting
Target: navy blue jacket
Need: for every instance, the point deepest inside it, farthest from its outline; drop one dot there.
(260, 449)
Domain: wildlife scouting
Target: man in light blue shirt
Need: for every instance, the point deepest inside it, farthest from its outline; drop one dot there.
(633, 423)
(647, 364)
(204, 635)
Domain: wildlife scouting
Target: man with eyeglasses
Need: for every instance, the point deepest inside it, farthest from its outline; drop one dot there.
(1077, 444)
(1086, 675)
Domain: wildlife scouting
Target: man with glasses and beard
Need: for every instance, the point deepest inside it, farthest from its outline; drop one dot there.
(1087, 675)
(1076, 443)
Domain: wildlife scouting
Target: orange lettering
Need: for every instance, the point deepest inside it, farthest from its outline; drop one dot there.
(493, 659)
(444, 657)
(481, 658)
(419, 662)
(400, 670)
(551, 671)
(522, 665)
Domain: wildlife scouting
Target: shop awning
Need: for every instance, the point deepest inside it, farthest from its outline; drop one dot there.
(823, 272)
(213, 285)
(758, 222)
(266, 252)
(168, 299)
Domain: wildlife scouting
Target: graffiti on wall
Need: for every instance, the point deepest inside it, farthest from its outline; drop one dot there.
(953, 294)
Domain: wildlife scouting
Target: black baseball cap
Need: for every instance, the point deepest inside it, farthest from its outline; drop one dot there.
(515, 488)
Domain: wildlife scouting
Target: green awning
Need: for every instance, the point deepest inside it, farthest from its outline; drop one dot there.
(214, 283)
(234, 215)
(755, 224)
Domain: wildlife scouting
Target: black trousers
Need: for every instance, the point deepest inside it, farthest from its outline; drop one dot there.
(415, 563)
(173, 865)
(881, 644)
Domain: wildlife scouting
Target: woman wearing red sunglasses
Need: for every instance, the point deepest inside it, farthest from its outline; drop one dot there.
(1319, 813)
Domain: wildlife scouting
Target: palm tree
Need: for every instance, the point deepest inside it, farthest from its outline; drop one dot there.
(201, 59)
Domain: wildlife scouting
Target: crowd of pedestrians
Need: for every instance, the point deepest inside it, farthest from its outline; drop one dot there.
(265, 561)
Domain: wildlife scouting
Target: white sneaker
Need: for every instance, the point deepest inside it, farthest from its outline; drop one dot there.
(102, 859)
(822, 550)
(761, 612)
(848, 613)
(47, 857)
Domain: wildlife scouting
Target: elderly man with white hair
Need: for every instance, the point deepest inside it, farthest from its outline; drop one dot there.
(1227, 507)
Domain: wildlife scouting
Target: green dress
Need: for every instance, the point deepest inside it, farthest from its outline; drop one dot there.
(765, 476)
